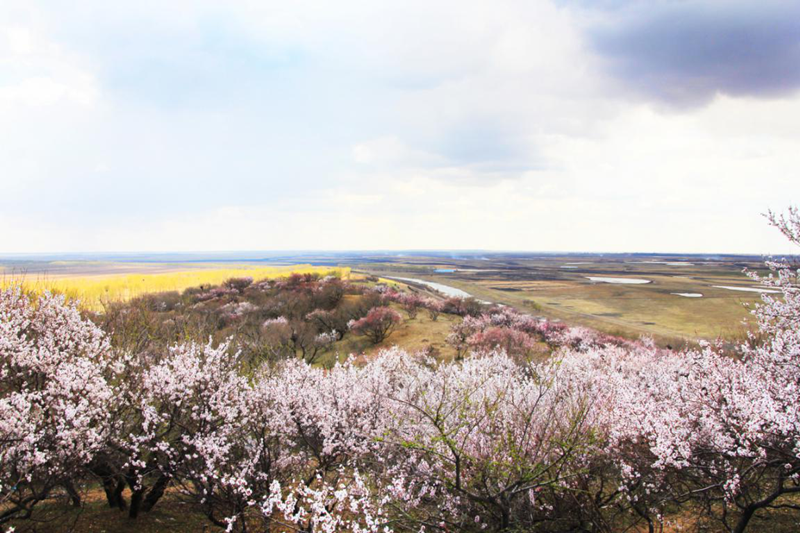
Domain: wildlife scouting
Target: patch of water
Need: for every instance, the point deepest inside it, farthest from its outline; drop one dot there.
(746, 289)
(670, 263)
(621, 281)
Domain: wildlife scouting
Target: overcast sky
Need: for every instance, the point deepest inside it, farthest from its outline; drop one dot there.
(576, 125)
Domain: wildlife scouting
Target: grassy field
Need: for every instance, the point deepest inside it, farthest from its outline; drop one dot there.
(92, 290)
(170, 516)
(558, 287)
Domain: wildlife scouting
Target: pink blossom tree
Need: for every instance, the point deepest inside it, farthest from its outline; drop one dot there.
(483, 444)
(513, 342)
(411, 303)
(285, 338)
(434, 308)
(54, 399)
(377, 325)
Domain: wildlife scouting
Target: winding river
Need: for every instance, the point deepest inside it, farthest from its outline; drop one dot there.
(444, 289)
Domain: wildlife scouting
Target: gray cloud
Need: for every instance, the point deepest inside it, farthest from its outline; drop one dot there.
(684, 53)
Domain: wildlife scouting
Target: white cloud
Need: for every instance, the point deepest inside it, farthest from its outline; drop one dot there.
(44, 91)
(38, 72)
(392, 152)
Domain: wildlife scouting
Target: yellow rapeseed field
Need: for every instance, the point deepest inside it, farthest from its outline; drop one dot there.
(93, 291)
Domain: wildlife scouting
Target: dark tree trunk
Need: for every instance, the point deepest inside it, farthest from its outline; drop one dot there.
(118, 489)
(506, 519)
(748, 513)
(72, 492)
(137, 494)
(650, 525)
(156, 492)
(109, 487)
(113, 485)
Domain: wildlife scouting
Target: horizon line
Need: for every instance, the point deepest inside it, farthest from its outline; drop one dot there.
(271, 254)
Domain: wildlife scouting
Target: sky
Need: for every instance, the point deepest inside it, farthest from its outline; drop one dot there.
(530, 125)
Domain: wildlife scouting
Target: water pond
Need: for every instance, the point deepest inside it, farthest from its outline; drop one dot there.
(621, 281)
(746, 289)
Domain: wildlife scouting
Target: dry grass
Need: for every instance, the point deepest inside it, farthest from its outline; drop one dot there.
(541, 286)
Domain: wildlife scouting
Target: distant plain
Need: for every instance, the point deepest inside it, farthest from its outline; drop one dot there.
(558, 286)
(552, 285)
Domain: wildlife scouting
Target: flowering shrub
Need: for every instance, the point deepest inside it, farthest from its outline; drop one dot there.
(463, 306)
(377, 325)
(332, 320)
(286, 338)
(434, 308)
(233, 311)
(54, 398)
(411, 303)
(483, 444)
(182, 406)
(520, 334)
(214, 293)
(511, 341)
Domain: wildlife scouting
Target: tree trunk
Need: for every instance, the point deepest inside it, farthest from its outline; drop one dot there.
(506, 519)
(118, 489)
(137, 496)
(751, 509)
(156, 492)
(748, 513)
(73, 494)
(113, 485)
(650, 526)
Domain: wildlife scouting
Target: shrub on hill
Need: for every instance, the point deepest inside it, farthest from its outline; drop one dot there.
(377, 325)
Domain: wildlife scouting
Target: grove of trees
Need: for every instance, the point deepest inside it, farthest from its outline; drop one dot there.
(601, 435)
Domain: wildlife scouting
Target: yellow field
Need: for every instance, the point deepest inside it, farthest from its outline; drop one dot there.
(93, 291)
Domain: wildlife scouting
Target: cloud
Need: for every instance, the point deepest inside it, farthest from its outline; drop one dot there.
(685, 53)
(391, 152)
(37, 72)
(396, 124)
